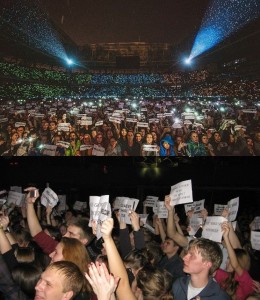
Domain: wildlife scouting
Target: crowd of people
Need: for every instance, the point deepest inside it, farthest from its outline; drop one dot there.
(21, 82)
(48, 253)
(119, 127)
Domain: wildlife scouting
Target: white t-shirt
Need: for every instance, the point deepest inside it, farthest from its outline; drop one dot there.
(193, 292)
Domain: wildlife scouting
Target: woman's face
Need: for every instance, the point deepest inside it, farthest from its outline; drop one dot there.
(87, 138)
(57, 255)
(149, 139)
(204, 139)
(138, 137)
(109, 133)
(112, 142)
(231, 138)
(123, 132)
(14, 136)
(166, 145)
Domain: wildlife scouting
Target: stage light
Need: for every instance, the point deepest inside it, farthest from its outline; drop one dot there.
(221, 20)
(187, 61)
(69, 61)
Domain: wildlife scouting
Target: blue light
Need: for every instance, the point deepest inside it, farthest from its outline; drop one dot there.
(221, 20)
(69, 61)
(187, 61)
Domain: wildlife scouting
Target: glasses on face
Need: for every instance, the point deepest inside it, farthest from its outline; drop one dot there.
(130, 134)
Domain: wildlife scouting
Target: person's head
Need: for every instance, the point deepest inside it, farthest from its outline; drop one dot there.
(24, 254)
(216, 137)
(73, 136)
(45, 125)
(257, 136)
(130, 135)
(143, 132)
(243, 259)
(20, 131)
(155, 136)
(87, 138)
(57, 138)
(136, 260)
(249, 142)
(203, 256)
(169, 247)
(52, 232)
(53, 125)
(99, 138)
(154, 252)
(138, 137)
(63, 229)
(23, 237)
(93, 133)
(26, 275)
(178, 139)
(153, 284)
(194, 137)
(123, 132)
(148, 138)
(204, 139)
(73, 250)
(62, 280)
(80, 230)
(70, 215)
(14, 136)
(109, 134)
(112, 141)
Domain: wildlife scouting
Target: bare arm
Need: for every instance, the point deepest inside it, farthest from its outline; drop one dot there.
(231, 253)
(5, 245)
(161, 229)
(172, 232)
(33, 222)
(232, 235)
(116, 265)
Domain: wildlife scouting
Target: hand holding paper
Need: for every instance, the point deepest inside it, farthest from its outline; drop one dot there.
(225, 213)
(167, 202)
(225, 228)
(106, 228)
(30, 199)
(135, 219)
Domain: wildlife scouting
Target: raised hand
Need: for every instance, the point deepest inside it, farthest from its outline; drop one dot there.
(29, 198)
(103, 283)
(107, 227)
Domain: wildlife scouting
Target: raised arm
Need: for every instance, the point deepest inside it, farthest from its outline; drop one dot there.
(231, 253)
(137, 231)
(5, 245)
(116, 265)
(172, 232)
(161, 229)
(232, 235)
(33, 222)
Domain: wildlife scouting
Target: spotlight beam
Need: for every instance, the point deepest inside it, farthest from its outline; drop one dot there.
(221, 20)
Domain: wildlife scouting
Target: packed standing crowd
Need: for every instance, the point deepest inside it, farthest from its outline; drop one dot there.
(49, 253)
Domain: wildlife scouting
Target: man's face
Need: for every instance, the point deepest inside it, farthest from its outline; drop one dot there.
(45, 126)
(193, 263)
(74, 232)
(138, 137)
(52, 126)
(168, 247)
(50, 286)
(57, 255)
